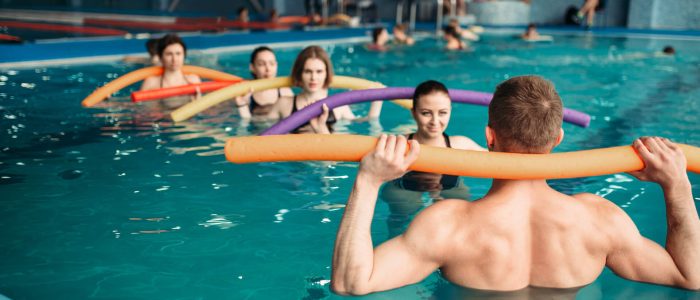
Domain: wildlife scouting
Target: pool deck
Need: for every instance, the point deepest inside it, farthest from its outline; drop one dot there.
(95, 49)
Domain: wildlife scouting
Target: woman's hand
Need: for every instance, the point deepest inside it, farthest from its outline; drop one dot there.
(318, 124)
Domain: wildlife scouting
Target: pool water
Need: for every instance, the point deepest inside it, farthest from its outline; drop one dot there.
(116, 202)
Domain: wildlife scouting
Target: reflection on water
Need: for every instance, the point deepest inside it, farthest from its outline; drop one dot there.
(222, 221)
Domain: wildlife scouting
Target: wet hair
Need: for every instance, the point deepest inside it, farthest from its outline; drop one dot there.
(375, 34)
(526, 114)
(168, 40)
(255, 53)
(531, 26)
(400, 27)
(242, 9)
(152, 46)
(306, 54)
(451, 31)
(669, 50)
(427, 88)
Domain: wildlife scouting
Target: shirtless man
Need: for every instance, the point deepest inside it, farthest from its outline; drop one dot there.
(522, 233)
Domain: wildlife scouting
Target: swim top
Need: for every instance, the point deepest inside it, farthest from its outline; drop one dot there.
(329, 122)
(411, 180)
(261, 110)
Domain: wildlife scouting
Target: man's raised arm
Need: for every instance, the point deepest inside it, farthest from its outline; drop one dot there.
(637, 258)
(358, 268)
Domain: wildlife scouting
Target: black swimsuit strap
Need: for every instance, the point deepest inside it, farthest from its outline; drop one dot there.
(294, 104)
(447, 139)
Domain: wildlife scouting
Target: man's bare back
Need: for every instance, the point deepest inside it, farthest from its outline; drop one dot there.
(512, 241)
(522, 233)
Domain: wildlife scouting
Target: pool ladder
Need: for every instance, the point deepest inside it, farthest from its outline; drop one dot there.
(412, 13)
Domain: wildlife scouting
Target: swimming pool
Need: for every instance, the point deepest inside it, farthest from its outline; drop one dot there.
(116, 203)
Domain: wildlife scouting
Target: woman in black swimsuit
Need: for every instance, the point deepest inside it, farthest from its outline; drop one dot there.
(313, 73)
(431, 111)
(172, 52)
(262, 104)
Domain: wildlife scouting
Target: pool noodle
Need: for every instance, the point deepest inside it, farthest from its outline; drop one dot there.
(189, 89)
(127, 79)
(190, 109)
(461, 96)
(340, 147)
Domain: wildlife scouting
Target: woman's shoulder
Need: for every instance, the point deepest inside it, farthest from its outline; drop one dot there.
(286, 92)
(193, 78)
(464, 143)
(285, 100)
(151, 82)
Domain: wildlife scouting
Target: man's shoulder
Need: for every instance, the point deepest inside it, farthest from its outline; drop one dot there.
(603, 209)
(594, 200)
(436, 223)
(441, 213)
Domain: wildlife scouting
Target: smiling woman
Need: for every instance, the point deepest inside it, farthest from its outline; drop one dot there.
(432, 109)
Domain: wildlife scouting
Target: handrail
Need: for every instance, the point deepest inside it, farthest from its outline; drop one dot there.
(412, 13)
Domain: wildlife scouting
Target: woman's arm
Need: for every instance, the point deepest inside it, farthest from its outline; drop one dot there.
(465, 143)
(150, 83)
(344, 113)
(243, 105)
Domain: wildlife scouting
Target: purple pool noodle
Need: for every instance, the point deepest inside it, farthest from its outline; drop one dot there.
(461, 96)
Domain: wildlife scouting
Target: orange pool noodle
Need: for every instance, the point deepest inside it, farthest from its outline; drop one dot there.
(189, 89)
(338, 147)
(135, 76)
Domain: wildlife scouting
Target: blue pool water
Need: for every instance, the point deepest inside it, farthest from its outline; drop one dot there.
(118, 203)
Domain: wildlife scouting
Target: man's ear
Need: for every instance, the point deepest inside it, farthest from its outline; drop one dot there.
(560, 138)
(490, 137)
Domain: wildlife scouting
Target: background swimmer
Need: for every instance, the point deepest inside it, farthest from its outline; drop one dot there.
(400, 36)
(470, 33)
(532, 35)
(153, 57)
(379, 39)
(453, 39)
